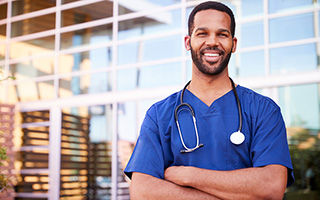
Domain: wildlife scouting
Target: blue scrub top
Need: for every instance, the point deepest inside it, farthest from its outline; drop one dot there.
(159, 144)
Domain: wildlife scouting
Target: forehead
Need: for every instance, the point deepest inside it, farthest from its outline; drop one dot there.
(212, 19)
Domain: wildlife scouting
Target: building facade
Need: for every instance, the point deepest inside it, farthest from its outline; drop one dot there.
(86, 72)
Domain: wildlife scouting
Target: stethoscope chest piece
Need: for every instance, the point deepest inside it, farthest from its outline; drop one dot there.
(237, 138)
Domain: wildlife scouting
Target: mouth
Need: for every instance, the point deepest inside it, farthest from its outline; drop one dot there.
(212, 57)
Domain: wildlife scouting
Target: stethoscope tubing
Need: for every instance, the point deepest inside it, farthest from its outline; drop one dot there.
(190, 109)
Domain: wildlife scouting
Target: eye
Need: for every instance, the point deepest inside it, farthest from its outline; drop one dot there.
(202, 34)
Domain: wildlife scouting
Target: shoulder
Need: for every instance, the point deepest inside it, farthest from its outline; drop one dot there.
(164, 108)
(256, 102)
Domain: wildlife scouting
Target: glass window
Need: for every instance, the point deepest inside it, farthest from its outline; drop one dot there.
(252, 64)
(32, 47)
(162, 48)
(33, 68)
(3, 30)
(129, 53)
(130, 6)
(87, 13)
(3, 11)
(88, 60)
(291, 28)
(33, 25)
(92, 35)
(151, 24)
(300, 105)
(251, 7)
(86, 84)
(280, 6)
(293, 58)
(252, 34)
(33, 91)
(26, 6)
(2, 51)
(149, 76)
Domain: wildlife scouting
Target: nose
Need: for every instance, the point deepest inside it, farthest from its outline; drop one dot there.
(212, 41)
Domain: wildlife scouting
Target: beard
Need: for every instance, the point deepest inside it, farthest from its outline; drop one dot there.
(206, 69)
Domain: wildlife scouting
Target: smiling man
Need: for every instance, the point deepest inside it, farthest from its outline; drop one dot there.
(214, 139)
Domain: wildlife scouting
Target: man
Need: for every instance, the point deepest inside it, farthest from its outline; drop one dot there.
(256, 167)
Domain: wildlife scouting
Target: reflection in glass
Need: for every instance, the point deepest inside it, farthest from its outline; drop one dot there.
(130, 6)
(149, 77)
(33, 68)
(34, 91)
(300, 106)
(281, 6)
(87, 84)
(93, 35)
(3, 11)
(33, 47)
(88, 60)
(293, 58)
(87, 13)
(3, 29)
(252, 34)
(150, 24)
(2, 51)
(252, 64)
(26, 6)
(251, 7)
(291, 28)
(33, 25)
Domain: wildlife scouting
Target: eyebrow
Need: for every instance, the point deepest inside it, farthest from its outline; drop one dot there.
(205, 29)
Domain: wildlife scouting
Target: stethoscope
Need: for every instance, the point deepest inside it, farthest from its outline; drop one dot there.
(235, 138)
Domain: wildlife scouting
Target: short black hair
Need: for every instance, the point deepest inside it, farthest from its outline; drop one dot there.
(214, 6)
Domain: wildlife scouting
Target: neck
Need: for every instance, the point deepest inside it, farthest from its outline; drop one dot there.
(210, 88)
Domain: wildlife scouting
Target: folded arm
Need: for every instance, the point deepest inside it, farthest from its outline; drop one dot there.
(268, 182)
(144, 186)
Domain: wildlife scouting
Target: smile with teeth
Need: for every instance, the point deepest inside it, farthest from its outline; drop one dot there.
(212, 54)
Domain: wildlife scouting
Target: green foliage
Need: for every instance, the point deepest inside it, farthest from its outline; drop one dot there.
(4, 179)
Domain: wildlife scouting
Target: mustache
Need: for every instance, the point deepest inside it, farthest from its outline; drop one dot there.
(212, 49)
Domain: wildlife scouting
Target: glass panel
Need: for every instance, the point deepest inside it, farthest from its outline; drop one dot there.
(33, 68)
(87, 84)
(33, 47)
(282, 6)
(27, 6)
(3, 30)
(252, 64)
(87, 13)
(130, 6)
(88, 60)
(300, 105)
(93, 35)
(252, 34)
(2, 51)
(3, 11)
(293, 58)
(33, 25)
(291, 28)
(251, 7)
(86, 152)
(150, 24)
(148, 77)
(33, 91)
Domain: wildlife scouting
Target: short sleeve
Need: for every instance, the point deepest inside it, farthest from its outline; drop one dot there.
(147, 156)
(269, 144)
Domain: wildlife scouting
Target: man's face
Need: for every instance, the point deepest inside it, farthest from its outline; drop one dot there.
(211, 42)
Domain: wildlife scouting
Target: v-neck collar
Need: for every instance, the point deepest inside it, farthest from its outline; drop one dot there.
(200, 106)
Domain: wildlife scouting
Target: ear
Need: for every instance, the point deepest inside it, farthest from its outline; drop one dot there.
(187, 42)
(234, 45)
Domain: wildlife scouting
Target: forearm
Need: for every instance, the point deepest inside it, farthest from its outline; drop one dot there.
(148, 187)
(251, 183)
